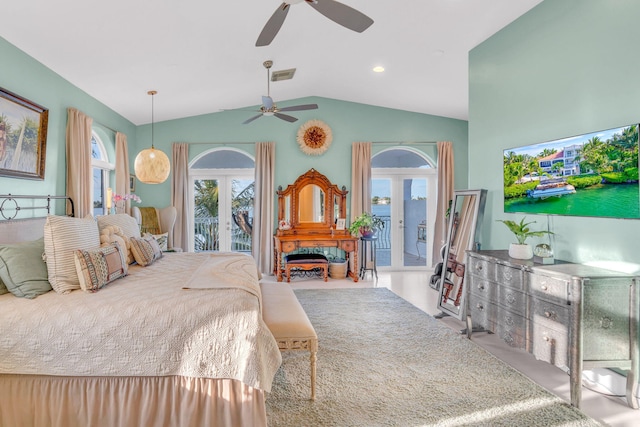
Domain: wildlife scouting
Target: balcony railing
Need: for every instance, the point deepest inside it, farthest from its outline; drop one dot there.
(207, 236)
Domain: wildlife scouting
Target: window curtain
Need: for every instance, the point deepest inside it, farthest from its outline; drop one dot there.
(262, 235)
(360, 178)
(179, 194)
(79, 175)
(122, 168)
(445, 195)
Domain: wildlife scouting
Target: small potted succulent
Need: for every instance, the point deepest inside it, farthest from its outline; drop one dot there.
(366, 224)
(522, 250)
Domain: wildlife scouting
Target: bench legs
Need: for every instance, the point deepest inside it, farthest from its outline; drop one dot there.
(312, 346)
(306, 267)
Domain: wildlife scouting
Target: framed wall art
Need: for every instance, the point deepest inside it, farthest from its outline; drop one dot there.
(23, 137)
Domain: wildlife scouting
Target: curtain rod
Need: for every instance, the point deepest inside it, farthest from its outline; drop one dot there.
(222, 143)
(405, 142)
(105, 126)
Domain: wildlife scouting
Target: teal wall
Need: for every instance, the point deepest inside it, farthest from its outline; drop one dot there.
(349, 122)
(567, 67)
(24, 76)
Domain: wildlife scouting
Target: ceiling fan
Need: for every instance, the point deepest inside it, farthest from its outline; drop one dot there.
(269, 108)
(342, 14)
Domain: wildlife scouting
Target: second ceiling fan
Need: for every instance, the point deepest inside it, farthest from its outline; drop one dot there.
(269, 108)
(341, 13)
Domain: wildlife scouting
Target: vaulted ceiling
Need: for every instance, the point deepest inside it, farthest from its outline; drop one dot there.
(201, 56)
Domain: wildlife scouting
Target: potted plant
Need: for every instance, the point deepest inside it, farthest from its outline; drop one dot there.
(366, 223)
(522, 250)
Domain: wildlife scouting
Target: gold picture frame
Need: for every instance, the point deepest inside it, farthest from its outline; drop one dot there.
(23, 137)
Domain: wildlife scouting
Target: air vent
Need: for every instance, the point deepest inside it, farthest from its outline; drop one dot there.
(282, 74)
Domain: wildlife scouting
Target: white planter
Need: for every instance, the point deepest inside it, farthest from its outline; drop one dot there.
(518, 251)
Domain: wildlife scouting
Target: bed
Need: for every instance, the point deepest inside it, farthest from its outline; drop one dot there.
(179, 342)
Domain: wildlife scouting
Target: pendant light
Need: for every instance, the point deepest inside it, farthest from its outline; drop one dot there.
(152, 166)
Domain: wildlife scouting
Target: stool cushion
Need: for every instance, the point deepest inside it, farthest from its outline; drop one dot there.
(306, 259)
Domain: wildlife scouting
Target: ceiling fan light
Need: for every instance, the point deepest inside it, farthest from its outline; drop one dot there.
(152, 166)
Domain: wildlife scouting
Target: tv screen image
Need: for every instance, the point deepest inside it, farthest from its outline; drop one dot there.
(594, 174)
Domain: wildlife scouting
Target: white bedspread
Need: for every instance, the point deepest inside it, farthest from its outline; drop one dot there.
(146, 324)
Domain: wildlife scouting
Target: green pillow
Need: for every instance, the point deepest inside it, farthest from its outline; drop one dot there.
(22, 269)
(3, 288)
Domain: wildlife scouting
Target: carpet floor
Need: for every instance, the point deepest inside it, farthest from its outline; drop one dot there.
(384, 362)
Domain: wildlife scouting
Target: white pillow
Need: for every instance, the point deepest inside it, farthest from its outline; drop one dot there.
(162, 240)
(113, 233)
(127, 223)
(64, 235)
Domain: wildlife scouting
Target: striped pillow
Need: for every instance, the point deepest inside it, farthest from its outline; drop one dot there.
(98, 267)
(145, 250)
(64, 235)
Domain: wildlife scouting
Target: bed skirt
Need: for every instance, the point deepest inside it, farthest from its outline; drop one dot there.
(33, 400)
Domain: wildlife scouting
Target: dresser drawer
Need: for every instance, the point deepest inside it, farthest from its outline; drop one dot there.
(481, 287)
(548, 288)
(511, 327)
(481, 268)
(289, 246)
(550, 345)
(550, 315)
(512, 299)
(482, 313)
(317, 243)
(509, 276)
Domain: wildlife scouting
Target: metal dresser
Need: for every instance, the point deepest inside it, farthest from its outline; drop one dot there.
(573, 316)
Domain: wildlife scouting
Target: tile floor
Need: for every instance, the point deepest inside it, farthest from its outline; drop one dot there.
(413, 286)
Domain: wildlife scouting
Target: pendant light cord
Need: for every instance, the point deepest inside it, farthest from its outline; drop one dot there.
(152, 93)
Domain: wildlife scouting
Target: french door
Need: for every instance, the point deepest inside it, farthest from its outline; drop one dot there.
(222, 211)
(407, 204)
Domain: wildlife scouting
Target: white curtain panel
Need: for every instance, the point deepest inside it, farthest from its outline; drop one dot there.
(262, 236)
(79, 176)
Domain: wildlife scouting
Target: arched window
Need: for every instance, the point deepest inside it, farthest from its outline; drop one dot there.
(101, 169)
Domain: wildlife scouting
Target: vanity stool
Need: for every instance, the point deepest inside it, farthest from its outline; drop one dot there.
(306, 262)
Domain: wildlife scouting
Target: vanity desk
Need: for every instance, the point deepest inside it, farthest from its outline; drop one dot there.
(309, 208)
(573, 316)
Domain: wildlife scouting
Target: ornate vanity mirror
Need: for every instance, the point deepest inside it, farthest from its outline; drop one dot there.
(311, 204)
(465, 215)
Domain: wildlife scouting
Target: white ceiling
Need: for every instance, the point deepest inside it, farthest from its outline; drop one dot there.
(200, 55)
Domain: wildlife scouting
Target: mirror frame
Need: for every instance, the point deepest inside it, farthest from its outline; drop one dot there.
(453, 271)
(333, 195)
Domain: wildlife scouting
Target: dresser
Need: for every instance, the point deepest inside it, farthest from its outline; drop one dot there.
(573, 316)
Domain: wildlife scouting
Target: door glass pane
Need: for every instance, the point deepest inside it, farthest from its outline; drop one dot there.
(242, 213)
(381, 207)
(206, 220)
(415, 214)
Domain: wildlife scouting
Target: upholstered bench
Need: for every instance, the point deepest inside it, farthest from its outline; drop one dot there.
(289, 324)
(306, 262)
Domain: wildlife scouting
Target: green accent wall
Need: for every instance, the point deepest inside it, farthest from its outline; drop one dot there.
(565, 68)
(349, 122)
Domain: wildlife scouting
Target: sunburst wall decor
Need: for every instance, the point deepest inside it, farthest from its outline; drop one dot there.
(314, 137)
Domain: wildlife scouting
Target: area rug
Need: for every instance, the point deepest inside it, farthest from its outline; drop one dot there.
(384, 362)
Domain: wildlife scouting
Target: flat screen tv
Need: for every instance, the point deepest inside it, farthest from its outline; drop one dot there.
(594, 174)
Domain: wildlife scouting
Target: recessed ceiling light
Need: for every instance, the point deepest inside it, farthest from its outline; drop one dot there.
(378, 69)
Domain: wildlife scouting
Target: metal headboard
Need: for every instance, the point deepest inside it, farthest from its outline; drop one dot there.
(10, 206)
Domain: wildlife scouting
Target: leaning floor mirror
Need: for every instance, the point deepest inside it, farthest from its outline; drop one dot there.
(463, 221)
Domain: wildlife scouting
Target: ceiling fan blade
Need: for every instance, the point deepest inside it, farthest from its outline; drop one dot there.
(285, 117)
(273, 25)
(267, 102)
(252, 119)
(342, 14)
(299, 107)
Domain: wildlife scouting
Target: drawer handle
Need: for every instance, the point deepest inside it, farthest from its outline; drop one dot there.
(551, 315)
(481, 287)
(480, 307)
(479, 267)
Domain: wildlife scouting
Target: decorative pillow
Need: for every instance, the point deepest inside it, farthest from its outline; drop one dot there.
(162, 240)
(127, 223)
(97, 267)
(64, 235)
(3, 288)
(22, 269)
(145, 250)
(113, 233)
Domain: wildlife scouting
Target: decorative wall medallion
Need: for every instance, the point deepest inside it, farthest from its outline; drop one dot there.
(314, 137)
